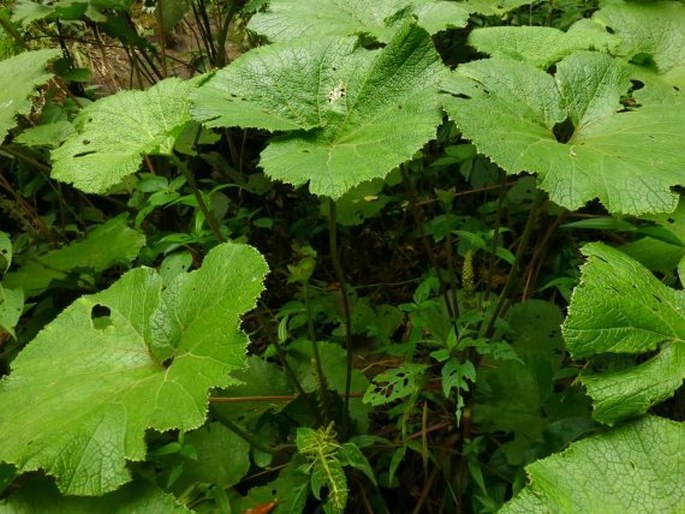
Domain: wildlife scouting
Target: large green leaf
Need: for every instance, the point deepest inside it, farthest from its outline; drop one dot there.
(110, 244)
(40, 496)
(291, 19)
(636, 468)
(627, 157)
(138, 355)
(19, 77)
(360, 113)
(541, 46)
(116, 132)
(621, 308)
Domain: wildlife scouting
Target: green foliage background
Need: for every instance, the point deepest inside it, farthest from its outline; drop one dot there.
(320, 256)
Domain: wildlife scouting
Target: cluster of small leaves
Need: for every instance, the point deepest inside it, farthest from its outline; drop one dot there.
(321, 449)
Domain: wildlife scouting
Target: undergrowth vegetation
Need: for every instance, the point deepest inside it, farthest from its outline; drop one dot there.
(394, 256)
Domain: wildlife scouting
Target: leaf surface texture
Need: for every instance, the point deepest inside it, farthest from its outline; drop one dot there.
(114, 364)
(635, 468)
(351, 115)
(627, 157)
(116, 132)
(19, 77)
(621, 308)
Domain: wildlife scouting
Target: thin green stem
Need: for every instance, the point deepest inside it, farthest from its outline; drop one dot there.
(26, 158)
(37, 222)
(452, 309)
(347, 317)
(323, 383)
(209, 216)
(162, 37)
(496, 232)
(513, 277)
(236, 429)
(288, 369)
(222, 57)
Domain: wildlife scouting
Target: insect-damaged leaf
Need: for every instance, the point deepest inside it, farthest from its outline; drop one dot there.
(113, 364)
(351, 114)
(116, 132)
(577, 130)
(652, 35)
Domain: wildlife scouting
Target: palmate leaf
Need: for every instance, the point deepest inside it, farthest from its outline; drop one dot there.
(19, 78)
(638, 467)
(292, 19)
(114, 364)
(116, 132)
(353, 114)
(621, 308)
(627, 157)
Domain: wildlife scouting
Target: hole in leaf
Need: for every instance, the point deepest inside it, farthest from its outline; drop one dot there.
(99, 311)
(167, 362)
(636, 85)
(100, 317)
(609, 30)
(643, 59)
(627, 100)
(671, 220)
(83, 154)
(552, 70)
(86, 142)
(564, 131)
(676, 88)
(461, 95)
